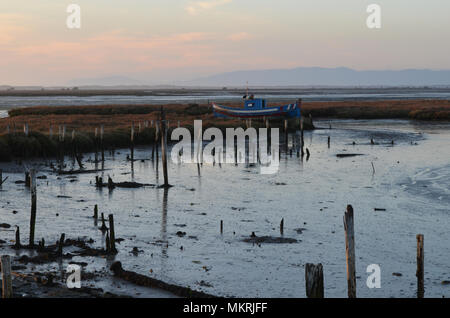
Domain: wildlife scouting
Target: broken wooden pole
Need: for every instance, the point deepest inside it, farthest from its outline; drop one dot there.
(132, 142)
(102, 132)
(111, 184)
(33, 205)
(221, 226)
(350, 251)
(41, 244)
(27, 179)
(96, 211)
(1, 178)
(420, 267)
(314, 280)
(103, 227)
(108, 245)
(329, 141)
(61, 244)
(302, 140)
(282, 226)
(112, 238)
(17, 243)
(6, 277)
(164, 146)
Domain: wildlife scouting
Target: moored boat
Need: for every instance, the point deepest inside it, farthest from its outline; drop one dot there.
(257, 107)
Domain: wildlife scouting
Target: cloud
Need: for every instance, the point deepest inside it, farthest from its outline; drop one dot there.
(240, 36)
(200, 6)
(11, 26)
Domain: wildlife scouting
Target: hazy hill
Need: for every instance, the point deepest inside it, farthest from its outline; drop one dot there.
(317, 76)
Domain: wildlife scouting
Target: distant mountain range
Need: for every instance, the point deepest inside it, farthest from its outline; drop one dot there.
(296, 77)
(317, 76)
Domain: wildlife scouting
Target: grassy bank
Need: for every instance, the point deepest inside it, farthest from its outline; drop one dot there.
(117, 121)
(83, 120)
(392, 109)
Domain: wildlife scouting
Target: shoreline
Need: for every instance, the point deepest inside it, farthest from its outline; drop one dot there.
(44, 122)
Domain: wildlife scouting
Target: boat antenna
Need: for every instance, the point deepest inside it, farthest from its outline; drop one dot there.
(247, 90)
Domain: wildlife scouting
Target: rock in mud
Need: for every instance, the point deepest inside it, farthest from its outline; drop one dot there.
(269, 240)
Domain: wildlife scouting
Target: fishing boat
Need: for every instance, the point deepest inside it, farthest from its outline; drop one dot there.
(257, 108)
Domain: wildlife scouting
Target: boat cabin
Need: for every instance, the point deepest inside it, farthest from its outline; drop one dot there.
(255, 103)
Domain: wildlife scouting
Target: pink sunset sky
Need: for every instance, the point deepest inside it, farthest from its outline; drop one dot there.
(162, 41)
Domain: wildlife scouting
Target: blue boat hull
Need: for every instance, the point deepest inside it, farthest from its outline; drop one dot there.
(289, 111)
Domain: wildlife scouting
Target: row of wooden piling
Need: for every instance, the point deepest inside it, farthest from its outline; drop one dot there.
(314, 272)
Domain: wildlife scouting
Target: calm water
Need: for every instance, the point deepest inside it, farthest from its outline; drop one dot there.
(411, 181)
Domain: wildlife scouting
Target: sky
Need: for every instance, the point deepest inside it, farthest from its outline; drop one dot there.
(163, 41)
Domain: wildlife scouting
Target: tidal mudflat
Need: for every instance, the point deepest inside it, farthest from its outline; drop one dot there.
(397, 190)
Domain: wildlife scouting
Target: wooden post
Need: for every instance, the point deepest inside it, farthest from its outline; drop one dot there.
(329, 141)
(108, 245)
(282, 226)
(33, 205)
(61, 244)
(102, 132)
(112, 238)
(96, 212)
(302, 140)
(6, 277)
(164, 146)
(17, 244)
(420, 271)
(103, 228)
(350, 251)
(132, 142)
(27, 179)
(286, 134)
(314, 280)
(221, 226)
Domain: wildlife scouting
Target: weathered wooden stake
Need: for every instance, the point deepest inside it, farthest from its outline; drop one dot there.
(350, 251)
(17, 244)
(33, 205)
(108, 245)
(329, 141)
(420, 266)
(302, 140)
(314, 280)
(103, 227)
(6, 277)
(132, 142)
(61, 244)
(282, 226)
(221, 226)
(96, 211)
(112, 238)
(27, 179)
(102, 132)
(164, 146)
